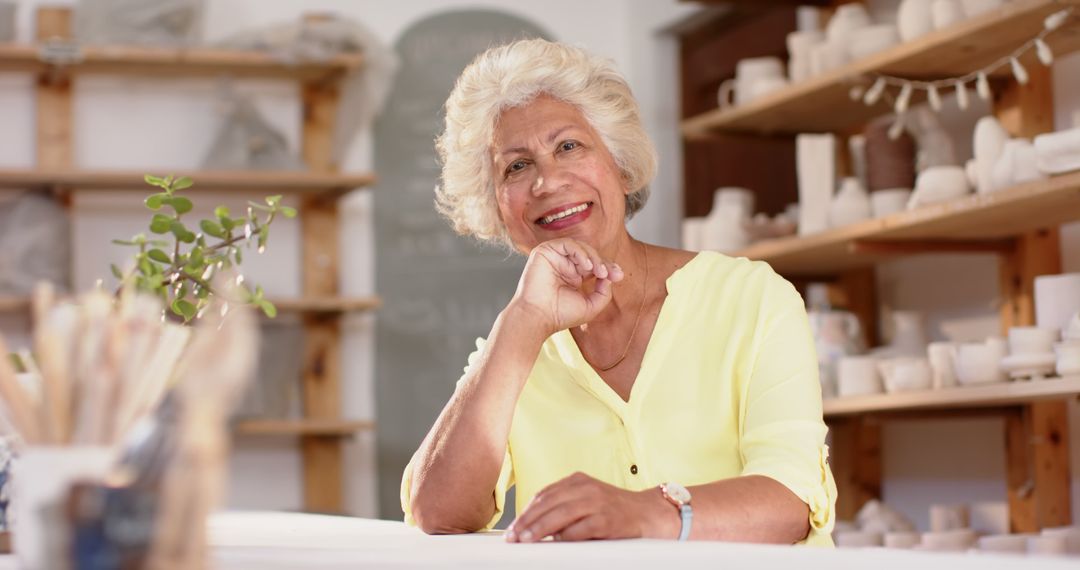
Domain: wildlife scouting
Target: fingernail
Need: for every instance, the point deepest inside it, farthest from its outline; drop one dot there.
(511, 536)
(526, 536)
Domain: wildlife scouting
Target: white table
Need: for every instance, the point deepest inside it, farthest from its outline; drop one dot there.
(271, 541)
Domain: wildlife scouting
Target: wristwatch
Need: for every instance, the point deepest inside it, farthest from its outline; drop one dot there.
(677, 495)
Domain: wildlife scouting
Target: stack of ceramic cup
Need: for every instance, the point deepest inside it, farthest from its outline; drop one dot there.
(1031, 353)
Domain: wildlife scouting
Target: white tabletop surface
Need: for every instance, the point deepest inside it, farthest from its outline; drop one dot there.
(270, 541)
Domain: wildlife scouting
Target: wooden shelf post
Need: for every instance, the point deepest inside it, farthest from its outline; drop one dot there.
(1036, 436)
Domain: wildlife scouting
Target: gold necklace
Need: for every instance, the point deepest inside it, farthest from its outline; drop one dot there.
(644, 291)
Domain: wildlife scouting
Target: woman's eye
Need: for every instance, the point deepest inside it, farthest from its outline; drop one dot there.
(515, 166)
(568, 145)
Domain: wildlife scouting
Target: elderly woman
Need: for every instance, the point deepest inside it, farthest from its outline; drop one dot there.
(627, 389)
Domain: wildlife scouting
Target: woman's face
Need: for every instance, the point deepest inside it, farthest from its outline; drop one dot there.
(555, 178)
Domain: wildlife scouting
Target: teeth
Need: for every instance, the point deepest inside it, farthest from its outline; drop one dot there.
(563, 214)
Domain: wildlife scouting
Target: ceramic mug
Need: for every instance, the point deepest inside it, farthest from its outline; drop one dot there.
(851, 205)
(980, 363)
(942, 356)
(760, 87)
(857, 376)
(905, 374)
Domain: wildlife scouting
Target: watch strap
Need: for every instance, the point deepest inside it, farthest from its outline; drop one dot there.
(686, 515)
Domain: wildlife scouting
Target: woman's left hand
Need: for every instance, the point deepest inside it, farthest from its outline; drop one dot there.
(580, 507)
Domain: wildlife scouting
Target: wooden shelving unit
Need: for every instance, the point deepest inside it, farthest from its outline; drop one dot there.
(990, 396)
(329, 184)
(313, 428)
(979, 222)
(1019, 225)
(56, 61)
(814, 105)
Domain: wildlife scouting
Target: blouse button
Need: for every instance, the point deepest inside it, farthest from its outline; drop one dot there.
(633, 469)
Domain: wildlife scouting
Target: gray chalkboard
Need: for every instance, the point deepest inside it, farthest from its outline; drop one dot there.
(440, 291)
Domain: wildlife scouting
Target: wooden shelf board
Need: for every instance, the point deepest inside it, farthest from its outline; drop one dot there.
(196, 61)
(327, 304)
(330, 428)
(823, 103)
(286, 182)
(1000, 395)
(1002, 214)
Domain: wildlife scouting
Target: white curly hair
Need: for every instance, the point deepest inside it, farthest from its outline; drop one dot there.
(513, 75)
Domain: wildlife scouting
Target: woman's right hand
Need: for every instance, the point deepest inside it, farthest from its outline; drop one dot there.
(553, 285)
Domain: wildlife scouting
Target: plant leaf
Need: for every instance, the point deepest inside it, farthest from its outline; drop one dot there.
(160, 223)
(288, 212)
(236, 256)
(154, 201)
(116, 271)
(158, 255)
(155, 181)
(273, 200)
(268, 308)
(221, 212)
(184, 308)
(182, 183)
(181, 232)
(123, 242)
(181, 205)
(212, 228)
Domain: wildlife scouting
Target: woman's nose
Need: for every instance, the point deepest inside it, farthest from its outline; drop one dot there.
(550, 177)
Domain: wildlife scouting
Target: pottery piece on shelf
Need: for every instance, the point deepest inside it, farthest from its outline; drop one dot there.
(1057, 299)
(846, 19)
(980, 363)
(942, 356)
(1029, 366)
(1068, 358)
(975, 7)
(876, 516)
(989, 143)
(1005, 543)
(949, 517)
(1057, 153)
(800, 45)
(1048, 545)
(957, 540)
(907, 335)
(752, 76)
(939, 184)
(902, 540)
(858, 376)
(905, 374)
(867, 41)
(890, 163)
(1071, 331)
(827, 56)
(945, 13)
(692, 229)
(857, 539)
(989, 517)
(1017, 164)
(816, 170)
(1071, 535)
(851, 205)
(914, 18)
(1032, 340)
(890, 201)
(935, 144)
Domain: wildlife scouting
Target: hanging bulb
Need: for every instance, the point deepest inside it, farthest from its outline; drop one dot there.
(1055, 20)
(934, 97)
(1045, 55)
(903, 99)
(856, 93)
(897, 128)
(1019, 71)
(961, 95)
(874, 93)
(982, 86)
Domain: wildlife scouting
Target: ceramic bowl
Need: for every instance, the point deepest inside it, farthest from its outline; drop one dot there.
(906, 374)
(980, 363)
(1032, 340)
(867, 41)
(903, 540)
(858, 376)
(958, 540)
(891, 201)
(938, 184)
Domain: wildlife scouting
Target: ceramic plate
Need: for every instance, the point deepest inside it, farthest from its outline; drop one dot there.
(1029, 365)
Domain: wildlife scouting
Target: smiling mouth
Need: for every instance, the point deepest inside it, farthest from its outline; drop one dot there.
(545, 220)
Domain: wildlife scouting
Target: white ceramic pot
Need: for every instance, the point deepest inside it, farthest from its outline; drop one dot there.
(939, 184)
(958, 540)
(867, 41)
(692, 229)
(945, 13)
(905, 374)
(887, 202)
(914, 18)
(725, 229)
(1071, 535)
(1032, 340)
(942, 357)
(975, 7)
(755, 68)
(1006, 543)
(1057, 299)
(846, 19)
(740, 199)
(1016, 164)
(827, 56)
(851, 205)
(989, 143)
(858, 376)
(980, 363)
(1068, 358)
(800, 44)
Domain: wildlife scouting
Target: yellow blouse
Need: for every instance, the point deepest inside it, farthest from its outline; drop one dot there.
(728, 386)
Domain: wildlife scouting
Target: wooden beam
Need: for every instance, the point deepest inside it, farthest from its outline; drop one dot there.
(53, 111)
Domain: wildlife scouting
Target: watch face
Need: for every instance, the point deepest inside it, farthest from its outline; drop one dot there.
(677, 492)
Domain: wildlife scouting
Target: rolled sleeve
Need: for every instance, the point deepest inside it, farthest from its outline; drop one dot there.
(783, 434)
(506, 472)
